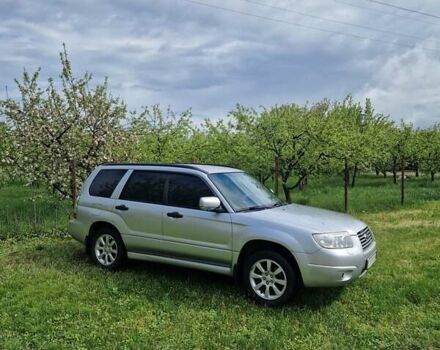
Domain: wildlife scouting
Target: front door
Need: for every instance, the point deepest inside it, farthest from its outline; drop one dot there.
(192, 233)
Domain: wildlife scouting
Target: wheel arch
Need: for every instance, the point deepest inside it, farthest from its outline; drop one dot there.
(94, 228)
(261, 244)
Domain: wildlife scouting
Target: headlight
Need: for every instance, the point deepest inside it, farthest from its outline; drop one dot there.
(334, 240)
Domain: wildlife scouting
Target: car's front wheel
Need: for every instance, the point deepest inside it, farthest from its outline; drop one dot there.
(270, 278)
(107, 248)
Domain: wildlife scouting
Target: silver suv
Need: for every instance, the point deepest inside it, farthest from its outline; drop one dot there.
(218, 219)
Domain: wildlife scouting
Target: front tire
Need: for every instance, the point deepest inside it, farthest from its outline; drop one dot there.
(107, 248)
(270, 278)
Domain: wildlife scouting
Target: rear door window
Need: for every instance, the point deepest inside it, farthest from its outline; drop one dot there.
(145, 186)
(105, 182)
(185, 191)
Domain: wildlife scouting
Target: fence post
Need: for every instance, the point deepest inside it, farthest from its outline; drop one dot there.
(346, 181)
(402, 181)
(277, 175)
(73, 181)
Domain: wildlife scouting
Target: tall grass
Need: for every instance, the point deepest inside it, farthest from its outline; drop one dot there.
(31, 212)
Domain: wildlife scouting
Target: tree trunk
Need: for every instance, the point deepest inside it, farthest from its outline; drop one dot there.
(277, 175)
(402, 181)
(432, 175)
(384, 173)
(417, 170)
(394, 175)
(346, 183)
(353, 179)
(287, 193)
(377, 171)
(264, 178)
(73, 181)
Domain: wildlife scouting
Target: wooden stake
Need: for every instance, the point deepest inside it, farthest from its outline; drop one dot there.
(277, 175)
(402, 181)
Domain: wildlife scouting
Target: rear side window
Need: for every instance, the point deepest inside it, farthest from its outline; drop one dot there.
(185, 191)
(105, 182)
(144, 186)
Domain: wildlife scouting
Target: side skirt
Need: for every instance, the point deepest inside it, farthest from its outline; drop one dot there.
(224, 270)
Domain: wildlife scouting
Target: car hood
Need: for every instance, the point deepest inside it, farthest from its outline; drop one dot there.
(308, 218)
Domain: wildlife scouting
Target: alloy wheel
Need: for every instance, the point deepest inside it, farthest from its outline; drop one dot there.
(268, 279)
(106, 249)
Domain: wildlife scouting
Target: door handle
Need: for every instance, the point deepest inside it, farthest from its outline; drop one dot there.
(175, 214)
(121, 207)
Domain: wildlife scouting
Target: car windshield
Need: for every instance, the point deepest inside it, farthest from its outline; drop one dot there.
(243, 192)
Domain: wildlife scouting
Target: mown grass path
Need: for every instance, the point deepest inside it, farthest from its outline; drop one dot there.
(52, 297)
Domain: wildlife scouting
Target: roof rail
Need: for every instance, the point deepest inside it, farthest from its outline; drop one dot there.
(175, 165)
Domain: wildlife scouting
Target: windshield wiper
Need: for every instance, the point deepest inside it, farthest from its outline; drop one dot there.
(255, 207)
(260, 207)
(277, 204)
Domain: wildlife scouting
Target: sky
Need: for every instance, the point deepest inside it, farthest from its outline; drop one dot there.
(209, 55)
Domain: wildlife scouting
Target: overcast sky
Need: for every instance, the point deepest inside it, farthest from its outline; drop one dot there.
(183, 54)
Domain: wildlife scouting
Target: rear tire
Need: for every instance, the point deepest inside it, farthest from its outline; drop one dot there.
(107, 248)
(270, 279)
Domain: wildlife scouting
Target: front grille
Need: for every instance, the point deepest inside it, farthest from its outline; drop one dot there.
(366, 237)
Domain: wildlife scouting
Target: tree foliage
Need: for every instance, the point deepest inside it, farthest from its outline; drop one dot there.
(5, 146)
(52, 126)
(161, 136)
(291, 134)
(428, 150)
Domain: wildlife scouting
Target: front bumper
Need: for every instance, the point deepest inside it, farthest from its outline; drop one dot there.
(335, 267)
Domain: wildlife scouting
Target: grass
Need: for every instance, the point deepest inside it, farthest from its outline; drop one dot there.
(371, 194)
(27, 212)
(52, 297)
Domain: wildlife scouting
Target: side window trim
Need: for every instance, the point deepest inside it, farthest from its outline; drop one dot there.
(166, 188)
(117, 192)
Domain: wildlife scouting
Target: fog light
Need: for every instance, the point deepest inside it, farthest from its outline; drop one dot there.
(346, 276)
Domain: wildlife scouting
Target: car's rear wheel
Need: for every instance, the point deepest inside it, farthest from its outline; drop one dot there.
(270, 278)
(107, 248)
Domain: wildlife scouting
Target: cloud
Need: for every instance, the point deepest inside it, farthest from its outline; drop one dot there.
(177, 53)
(408, 84)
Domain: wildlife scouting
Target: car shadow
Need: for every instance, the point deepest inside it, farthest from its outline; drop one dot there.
(206, 282)
(310, 298)
(316, 298)
(176, 273)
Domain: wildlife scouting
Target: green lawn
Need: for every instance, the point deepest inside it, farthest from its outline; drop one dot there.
(52, 297)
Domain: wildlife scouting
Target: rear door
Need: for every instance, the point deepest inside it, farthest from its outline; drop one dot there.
(140, 205)
(192, 233)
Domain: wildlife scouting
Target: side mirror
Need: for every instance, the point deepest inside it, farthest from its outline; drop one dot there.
(209, 203)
